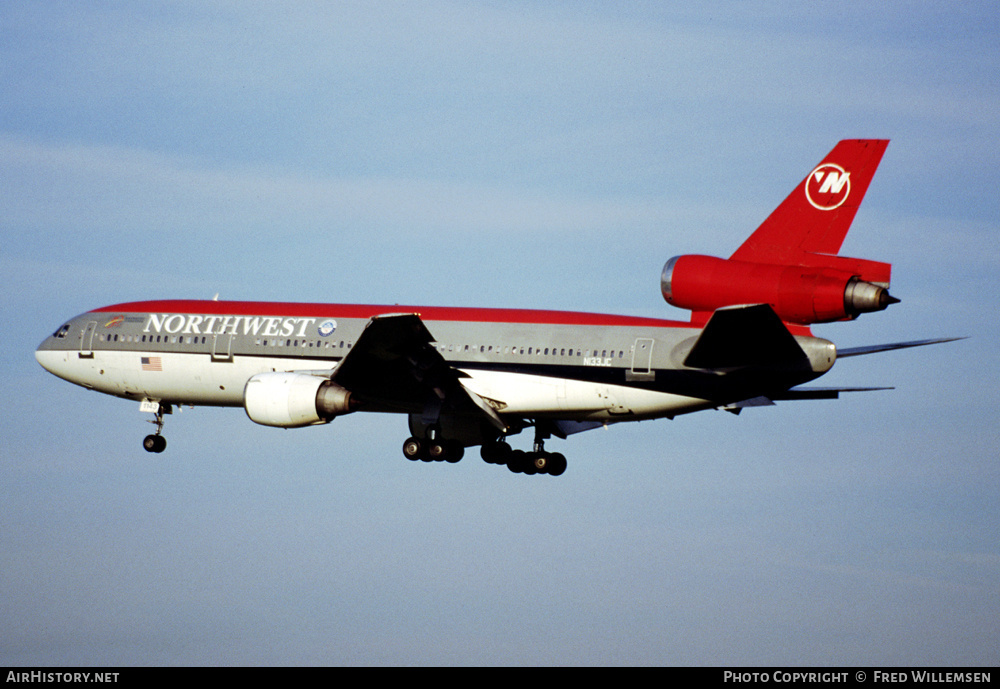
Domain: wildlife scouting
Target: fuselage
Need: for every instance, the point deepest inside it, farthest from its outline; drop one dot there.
(528, 363)
(468, 377)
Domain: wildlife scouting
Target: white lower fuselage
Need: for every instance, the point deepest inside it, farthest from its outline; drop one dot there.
(198, 379)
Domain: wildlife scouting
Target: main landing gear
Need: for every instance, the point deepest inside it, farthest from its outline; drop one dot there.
(434, 448)
(156, 442)
(538, 461)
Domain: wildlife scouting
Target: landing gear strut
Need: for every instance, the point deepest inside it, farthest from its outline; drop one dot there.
(156, 442)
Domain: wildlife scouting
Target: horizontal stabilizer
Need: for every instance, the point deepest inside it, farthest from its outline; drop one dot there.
(819, 393)
(739, 336)
(872, 349)
(794, 394)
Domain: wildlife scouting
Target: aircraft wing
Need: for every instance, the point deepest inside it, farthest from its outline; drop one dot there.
(394, 364)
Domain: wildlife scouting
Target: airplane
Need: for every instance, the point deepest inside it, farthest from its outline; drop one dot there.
(469, 377)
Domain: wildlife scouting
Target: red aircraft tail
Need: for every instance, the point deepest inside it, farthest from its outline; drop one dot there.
(790, 262)
(816, 216)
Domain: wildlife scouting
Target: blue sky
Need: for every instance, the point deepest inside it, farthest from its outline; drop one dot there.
(535, 155)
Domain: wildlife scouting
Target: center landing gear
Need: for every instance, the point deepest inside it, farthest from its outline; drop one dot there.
(156, 442)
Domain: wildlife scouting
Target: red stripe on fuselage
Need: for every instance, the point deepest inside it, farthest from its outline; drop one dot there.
(366, 311)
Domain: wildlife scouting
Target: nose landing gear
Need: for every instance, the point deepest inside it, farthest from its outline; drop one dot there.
(156, 442)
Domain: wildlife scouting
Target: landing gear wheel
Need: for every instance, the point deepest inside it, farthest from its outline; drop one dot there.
(154, 443)
(496, 453)
(517, 461)
(455, 452)
(557, 464)
(445, 451)
(413, 448)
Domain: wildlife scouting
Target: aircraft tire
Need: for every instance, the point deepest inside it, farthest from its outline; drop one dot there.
(413, 448)
(540, 461)
(495, 453)
(154, 443)
(437, 450)
(557, 464)
(516, 462)
(455, 452)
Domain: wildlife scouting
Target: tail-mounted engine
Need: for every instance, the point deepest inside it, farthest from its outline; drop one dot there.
(293, 400)
(827, 288)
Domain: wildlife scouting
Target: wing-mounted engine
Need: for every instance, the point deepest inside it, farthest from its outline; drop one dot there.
(293, 400)
(820, 289)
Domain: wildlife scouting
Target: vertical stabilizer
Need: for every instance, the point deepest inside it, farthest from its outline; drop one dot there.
(816, 216)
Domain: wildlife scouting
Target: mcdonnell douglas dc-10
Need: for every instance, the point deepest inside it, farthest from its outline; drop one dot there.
(468, 377)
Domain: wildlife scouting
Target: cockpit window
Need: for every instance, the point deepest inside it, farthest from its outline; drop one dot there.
(61, 333)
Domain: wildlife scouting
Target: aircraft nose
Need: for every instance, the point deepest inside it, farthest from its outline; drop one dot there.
(55, 361)
(45, 358)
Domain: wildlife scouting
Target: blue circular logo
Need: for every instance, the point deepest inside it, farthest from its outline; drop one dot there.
(326, 328)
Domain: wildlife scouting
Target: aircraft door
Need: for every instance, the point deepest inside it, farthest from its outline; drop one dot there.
(87, 340)
(642, 360)
(222, 347)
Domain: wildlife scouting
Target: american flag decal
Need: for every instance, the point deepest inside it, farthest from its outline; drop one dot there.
(152, 363)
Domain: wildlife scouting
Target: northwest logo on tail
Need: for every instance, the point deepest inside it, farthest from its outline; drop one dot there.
(828, 186)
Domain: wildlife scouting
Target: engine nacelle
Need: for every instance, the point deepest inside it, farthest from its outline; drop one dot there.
(293, 400)
(798, 294)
